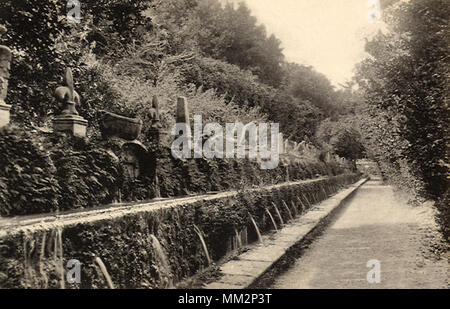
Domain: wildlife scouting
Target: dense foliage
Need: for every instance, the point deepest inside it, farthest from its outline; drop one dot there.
(43, 43)
(198, 42)
(223, 48)
(341, 137)
(405, 84)
(122, 54)
(221, 32)
(45, 172)
(27, 182)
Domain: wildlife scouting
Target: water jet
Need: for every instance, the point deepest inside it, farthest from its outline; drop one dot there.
(271, 218)
(287, 209)
(256, 228)
(202, 240)
(278, 213)
(104, 272)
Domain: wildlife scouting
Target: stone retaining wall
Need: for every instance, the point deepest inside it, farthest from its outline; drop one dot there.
(148, 245)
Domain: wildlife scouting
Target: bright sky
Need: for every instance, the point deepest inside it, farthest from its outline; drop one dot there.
(326, 34)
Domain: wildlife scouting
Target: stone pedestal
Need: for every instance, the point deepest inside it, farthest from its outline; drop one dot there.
(4, 114)
(183, 121)
(5, 65)
(69, 121)
(76, 125)
(154, 138)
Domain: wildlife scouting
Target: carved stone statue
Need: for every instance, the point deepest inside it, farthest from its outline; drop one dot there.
(67, 95)
(69, 120)
(154, 114)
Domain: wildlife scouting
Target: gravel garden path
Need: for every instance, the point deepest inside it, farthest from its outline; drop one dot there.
(377, 224)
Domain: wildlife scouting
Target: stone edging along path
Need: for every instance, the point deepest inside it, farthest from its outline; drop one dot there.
(247, 268)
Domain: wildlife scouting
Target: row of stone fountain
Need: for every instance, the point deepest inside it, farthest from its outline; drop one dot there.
(113, 125)
(70, 121)
(124, 130)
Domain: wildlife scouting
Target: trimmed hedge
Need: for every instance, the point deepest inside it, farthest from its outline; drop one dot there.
(27, 174)
(44, 172)
(125, 244)
(47, 172)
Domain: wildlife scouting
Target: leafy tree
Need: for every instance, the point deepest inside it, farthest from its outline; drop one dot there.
(404, 84)
(198, 42)
(248, 46)
(341, 137)
(223, 48)
(305, 83)
(224, 33)
(33, 27)
(43, 43)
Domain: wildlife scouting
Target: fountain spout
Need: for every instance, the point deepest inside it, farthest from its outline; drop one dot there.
(278, 213)
(307, 200)
(303, 207)
(104, 272)
(271, 218)
(294, 207)
(162, 259)
(238, 238)
(256, 228)
(202, 240)
(287, 209)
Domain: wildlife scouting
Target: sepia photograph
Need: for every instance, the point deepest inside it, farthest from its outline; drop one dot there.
(224, 152)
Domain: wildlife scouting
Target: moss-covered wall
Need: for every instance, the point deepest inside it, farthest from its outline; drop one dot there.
(43, 172)
(126, 245)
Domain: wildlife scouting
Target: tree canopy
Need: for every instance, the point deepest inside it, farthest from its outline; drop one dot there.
(404, 84)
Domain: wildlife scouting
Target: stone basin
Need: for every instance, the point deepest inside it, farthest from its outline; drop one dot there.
(119, 126)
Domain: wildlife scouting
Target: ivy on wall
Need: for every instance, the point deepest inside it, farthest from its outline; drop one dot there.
(44, 172)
